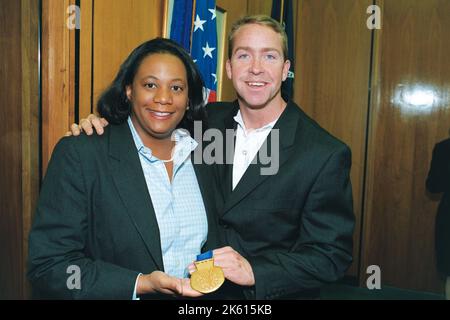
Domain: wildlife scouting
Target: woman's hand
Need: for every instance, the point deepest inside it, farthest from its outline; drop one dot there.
(160, 282)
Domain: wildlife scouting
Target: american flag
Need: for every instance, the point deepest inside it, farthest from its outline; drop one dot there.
(204, 38)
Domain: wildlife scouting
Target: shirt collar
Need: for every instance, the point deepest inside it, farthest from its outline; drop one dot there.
(240, 121)
(184, 144)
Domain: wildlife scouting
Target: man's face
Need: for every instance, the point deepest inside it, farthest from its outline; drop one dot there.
(257, 67)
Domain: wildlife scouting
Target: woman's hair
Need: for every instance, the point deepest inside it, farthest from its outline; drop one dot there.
(114, 105)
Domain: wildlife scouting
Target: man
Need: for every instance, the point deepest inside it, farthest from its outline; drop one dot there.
(438, 181)
(288, 232)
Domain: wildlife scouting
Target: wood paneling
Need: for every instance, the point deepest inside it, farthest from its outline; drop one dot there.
(332, 79)
(19, 139)
(30, 125)
(10, 150)
(56, 71)
(409, 114)
(259, 7)
(120, 26)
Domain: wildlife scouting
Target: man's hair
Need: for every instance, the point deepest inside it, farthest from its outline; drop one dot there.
(261, 20)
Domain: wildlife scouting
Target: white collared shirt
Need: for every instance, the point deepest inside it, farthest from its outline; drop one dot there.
(248, 142)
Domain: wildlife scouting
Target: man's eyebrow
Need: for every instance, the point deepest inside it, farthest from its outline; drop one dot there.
(252, 49)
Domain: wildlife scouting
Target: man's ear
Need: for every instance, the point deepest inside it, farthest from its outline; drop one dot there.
(286, 67)
(228, 68)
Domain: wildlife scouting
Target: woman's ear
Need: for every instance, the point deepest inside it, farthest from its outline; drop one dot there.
(128, 91)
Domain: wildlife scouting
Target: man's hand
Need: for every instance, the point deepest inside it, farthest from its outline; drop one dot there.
(160, 282)
(235, 267)
(86, 125)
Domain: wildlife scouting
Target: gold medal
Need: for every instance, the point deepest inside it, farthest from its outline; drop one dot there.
(207, 278)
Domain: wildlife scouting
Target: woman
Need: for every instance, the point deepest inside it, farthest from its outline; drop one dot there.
(116, 209)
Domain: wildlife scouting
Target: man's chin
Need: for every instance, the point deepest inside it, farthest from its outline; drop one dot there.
(253, 104)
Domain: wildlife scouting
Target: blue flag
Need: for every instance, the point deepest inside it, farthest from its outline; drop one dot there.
(285, 7)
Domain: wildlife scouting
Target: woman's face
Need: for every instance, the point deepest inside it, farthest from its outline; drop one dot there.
(159, 95)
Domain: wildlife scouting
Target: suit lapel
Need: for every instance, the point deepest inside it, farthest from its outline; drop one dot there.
(130, 183)
(287, 126)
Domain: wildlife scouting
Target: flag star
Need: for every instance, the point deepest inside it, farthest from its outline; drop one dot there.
(213, 11)
(195, 60)
(215, 77)
(208, 51)
(198, 23)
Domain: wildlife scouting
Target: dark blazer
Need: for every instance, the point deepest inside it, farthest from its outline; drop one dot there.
(294, 227)
(95, 212)
(439, 181)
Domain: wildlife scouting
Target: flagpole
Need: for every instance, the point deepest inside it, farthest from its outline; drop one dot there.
(165, 19)
(194, 3)
(281, 11)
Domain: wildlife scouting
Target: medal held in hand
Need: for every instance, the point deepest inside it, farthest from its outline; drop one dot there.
(207, 278)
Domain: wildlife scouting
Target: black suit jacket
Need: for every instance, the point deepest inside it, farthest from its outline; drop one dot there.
(95, 212)
(294, 227)
(439, 181)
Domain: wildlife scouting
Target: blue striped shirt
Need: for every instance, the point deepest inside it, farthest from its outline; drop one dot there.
(178, 205)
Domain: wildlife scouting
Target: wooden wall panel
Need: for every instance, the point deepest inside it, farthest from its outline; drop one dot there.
(10, 150)
(259, 7)
(57, 68)
(30, 126)
(119, 26)
(332, 79)
(19, 139)
(410, 113)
